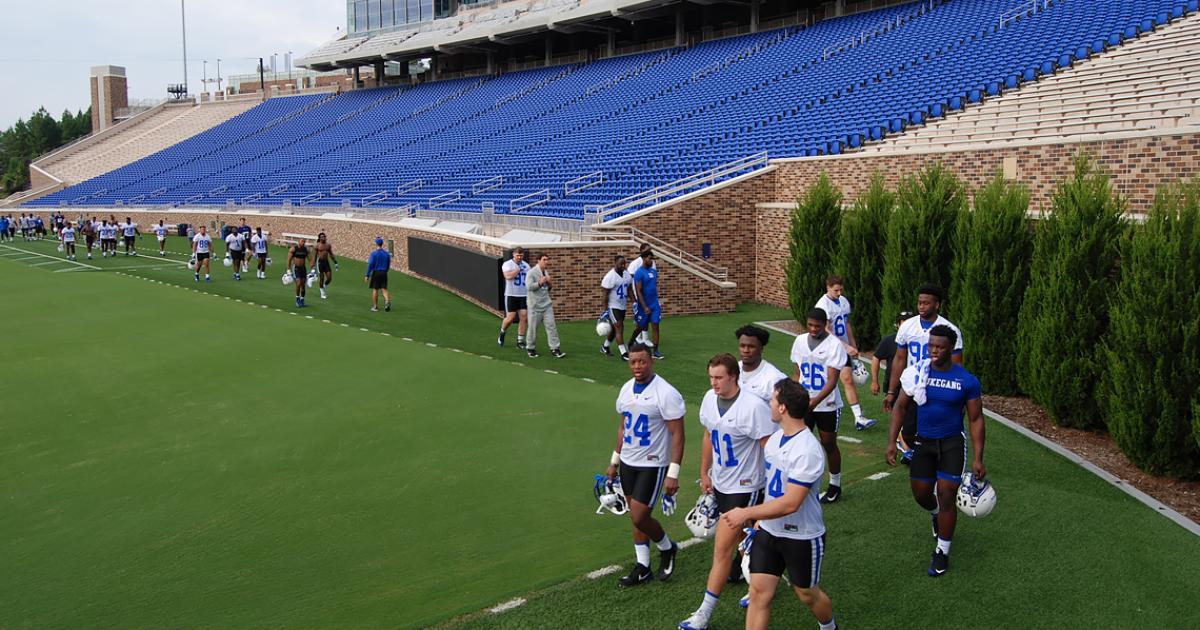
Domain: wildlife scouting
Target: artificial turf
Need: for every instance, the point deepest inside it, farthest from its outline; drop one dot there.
(174, 458)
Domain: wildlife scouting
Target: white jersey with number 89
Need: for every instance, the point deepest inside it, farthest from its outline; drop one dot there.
(646, 409)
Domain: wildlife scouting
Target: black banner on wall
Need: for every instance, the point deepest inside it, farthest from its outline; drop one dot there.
(473, 272)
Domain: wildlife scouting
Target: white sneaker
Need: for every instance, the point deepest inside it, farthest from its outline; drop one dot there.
(696, 622)
(864, 423)
(322, 294)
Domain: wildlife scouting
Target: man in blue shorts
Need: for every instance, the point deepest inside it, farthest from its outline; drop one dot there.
(647, 312)
(942, 391)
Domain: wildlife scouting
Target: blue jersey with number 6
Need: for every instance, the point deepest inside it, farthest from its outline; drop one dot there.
(645, 409)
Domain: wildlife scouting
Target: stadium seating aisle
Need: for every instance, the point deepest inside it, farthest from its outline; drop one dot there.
(632, 123)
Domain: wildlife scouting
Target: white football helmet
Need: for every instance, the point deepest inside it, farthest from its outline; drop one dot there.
(976, 497)
(288, 278)
(603, 329)
(311, 279)
(702, 519)
(192, 262)
(861, 374)
(268, 261)
(610, 495)
(227, 261)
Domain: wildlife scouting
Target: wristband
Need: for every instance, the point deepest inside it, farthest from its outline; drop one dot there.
(673, 471)
(891, 393)
(616, 459)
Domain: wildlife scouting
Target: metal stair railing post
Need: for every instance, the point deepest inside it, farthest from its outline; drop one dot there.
(707, 177)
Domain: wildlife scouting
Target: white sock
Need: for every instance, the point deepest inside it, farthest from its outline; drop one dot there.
(835, 480)
(710, 602)
(642, 551)
(664, 544)
(943, 545)
(857, 409)
(622, 348)
(828, 625)
(607, 342)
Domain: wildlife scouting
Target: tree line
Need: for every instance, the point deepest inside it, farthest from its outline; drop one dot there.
(26, 140)
(1092, 314)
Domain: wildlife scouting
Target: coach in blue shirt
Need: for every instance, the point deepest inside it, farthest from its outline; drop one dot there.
(377, 276)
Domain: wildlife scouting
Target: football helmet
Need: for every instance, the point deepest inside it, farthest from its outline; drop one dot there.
(603, 324)
(702, 519)
(227, 261)
(60, 247)
(610, 495)
(268, 261)
(288, 278)
(312, 277)
(861, 374)
(976, 497)
(192, 262)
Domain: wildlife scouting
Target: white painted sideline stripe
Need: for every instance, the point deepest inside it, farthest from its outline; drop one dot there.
(879, 475)
(73, 262)
(603, 571)
(508, 605)
(846, 438)
(694, 540)
(1150, 501)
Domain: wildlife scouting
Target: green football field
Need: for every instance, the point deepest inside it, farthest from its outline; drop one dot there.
(175, 454)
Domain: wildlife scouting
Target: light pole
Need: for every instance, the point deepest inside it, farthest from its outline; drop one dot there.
(204, 76)
(219, 88)
(183, 22)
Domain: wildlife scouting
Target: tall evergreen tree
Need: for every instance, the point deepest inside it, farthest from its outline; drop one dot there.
(1065, 312)
(991, 271)
(919, 246)
(812, 244)
(860, 257)
(1151, 352)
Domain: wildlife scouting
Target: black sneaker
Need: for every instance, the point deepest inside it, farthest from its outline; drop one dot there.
(558, 354)
(500, 339)
(831, 494)
(666, 562)
(520, 344)
(657, 355)
(387, 306)
(939, 564)
(639, 575)
(532, 353)
(605, 351)
(625, 356)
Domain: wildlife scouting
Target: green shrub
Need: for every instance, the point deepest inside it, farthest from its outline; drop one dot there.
(919, 246)
(991, 271)
(860, 258)
(1151, 352)
(812, 243)
(1065, 312)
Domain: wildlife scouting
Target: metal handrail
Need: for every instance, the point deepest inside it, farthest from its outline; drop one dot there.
(409, 186)
(703, 178)
(278, 189)
(441, 200)
(878, 29)
(341, 188)
(218, 190)
(543, 197)
(595, 178)
(371, 200)
(1025, 8)
(487, 184)
(307, 199)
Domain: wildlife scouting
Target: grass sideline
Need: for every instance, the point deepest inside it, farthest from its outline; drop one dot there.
(1063, 574)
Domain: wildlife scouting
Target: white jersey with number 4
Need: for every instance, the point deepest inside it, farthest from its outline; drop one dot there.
(734, 438)
(161, 232)
(913, 335)
(839, 314)
(646, 410)
(814, 363)
(618, 288)
(760, 382)
(795, 459)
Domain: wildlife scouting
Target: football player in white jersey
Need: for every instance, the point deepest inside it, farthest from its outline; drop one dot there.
(648, 454)
(616, 286)
(791, 529)
(837, 307)
(129, 230)
(258, 244)
(235, 247)
(912, 338)
(819, 357)
(160, 232)
(202, 251)
(67, 235)
(515, 296)
(757, 375)
(738, 423)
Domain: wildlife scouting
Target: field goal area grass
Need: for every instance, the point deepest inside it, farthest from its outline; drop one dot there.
(205, 454)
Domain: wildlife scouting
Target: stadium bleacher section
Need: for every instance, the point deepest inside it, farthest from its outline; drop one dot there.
(561, 140)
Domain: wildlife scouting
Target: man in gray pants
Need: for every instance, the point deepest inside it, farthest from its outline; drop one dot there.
(541, 309)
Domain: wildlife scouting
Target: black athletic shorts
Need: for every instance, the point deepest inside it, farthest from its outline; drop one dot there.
(237, 255)
(616, 314)
(826, 421)
(129, 240)
(727, 502)
(323, 266)
(944, 458)
(200, 257)
(262, 257)
(512, 304)
(379, 279)
(300, 271)
(91, 240)
(802, 558)
(908, 430)
(642, 484)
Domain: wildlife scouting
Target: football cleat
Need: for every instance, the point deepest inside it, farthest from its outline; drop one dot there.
(939, 564)
(640, 574)
(610, 495)
(697, 621)
(558, 353)
(865, 423)
(387, 306)
(657, 354)
(832, 494)
(666, 562)
(976, 497)
(500, 339)
(744, 602)
(859, 373)
(702, 518)
(905, 455)
(605, 351)
(532, 353)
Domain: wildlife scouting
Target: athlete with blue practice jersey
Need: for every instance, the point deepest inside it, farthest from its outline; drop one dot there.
(648, 311)
(942, 391)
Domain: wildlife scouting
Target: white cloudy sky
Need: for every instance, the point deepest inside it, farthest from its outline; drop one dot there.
(48, 46)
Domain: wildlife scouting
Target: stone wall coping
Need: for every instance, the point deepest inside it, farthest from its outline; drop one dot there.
(1183, 130)
(770, 168)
